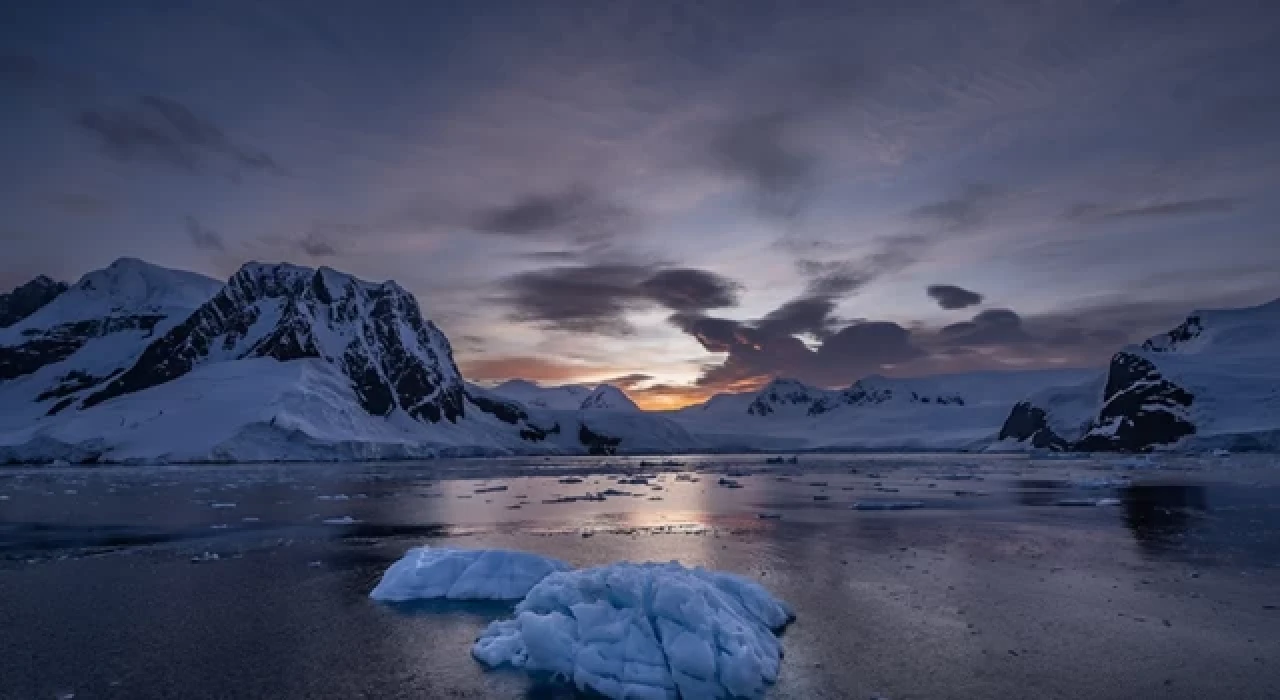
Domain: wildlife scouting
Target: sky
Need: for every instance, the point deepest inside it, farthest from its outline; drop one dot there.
(679, 197)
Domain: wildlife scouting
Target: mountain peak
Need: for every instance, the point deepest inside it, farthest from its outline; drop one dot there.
(608, 398)
(374, 333)
(786, 395)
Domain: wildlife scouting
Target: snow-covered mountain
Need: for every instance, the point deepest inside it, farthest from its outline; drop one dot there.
(81, 336)
(282, 362)
(559, 398)
(139, 362)
(608, 398)
(1211, 382)
(938, 412)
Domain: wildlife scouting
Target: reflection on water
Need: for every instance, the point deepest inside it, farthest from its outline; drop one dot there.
(1038, 492)
(1161, 514)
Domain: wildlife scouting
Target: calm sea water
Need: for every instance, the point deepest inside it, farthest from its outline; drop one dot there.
(1006, 580)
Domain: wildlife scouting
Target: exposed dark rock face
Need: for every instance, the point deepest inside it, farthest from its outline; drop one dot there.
(1188, 330)
(505, 411)
(789, 392)
(42, 347)
(535, 434)
(780, 392)
(1140, 409)
(72, 382)
(1027, 422)
(374, 333)
(597, 443)
(28, 299)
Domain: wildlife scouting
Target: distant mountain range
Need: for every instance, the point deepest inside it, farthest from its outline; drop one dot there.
(139, 363)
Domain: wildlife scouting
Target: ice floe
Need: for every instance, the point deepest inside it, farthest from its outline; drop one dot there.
(645, 631)
(463, 574)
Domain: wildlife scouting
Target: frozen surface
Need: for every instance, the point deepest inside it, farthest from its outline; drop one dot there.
(645, 631)
(463, 574)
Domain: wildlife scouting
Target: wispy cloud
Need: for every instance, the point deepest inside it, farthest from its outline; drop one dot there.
(1170, 209)
(202, 236)
(166, 132)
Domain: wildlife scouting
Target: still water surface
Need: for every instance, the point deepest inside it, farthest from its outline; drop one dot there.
(1004, 578)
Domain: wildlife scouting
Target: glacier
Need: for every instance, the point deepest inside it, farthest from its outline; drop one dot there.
(660, 631)
(425, 573)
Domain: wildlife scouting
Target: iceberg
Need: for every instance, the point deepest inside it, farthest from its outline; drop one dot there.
(642, 631)
(463, 574)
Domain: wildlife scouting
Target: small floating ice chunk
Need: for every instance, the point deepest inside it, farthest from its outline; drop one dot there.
(463, 574)
(645, 631)
(222, 505)
(344, 520)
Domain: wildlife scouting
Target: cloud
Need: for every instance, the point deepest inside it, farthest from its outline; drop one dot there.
(969, 210)
(164, 131)
(1184, 207)
(810, 315)
(990, 327)
(629, 382)
(202, 236)
(577, 211)
(758, 151)
(690, 289)
(951, 297)
(768, 347)
(596, 298)
(315, 246)
(538, 369)
(755, 351)
(833, 278)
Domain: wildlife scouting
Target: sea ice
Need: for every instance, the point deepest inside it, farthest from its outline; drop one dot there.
(463, 574)
(645, 631)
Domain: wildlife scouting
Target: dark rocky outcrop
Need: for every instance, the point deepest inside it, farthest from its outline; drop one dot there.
(1030, 423)
(43, 347)
(597, 443)
(1186, 331)
(28, 299)
(1141, 409)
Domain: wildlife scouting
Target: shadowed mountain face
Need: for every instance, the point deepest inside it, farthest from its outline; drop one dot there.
(374, 333)
(28, 299)
(1140, 409)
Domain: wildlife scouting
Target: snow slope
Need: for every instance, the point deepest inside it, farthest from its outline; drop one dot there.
(463, 574)
(57, 354)
(559, 398)
(961, 411)
(1211, 382)
(645, 631)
